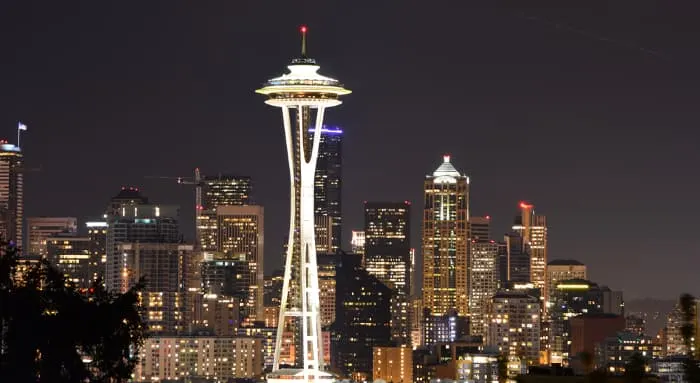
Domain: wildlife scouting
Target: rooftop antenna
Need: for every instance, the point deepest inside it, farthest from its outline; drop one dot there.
(303, 30)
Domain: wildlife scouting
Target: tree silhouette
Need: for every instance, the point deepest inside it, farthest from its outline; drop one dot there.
(635, 369)
(586, 359)
(690, 364)
(52, 332)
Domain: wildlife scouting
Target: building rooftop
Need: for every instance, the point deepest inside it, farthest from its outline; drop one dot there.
(565, 262)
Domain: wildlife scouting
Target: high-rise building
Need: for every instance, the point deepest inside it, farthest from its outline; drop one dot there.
(162, 266)
(445, 328)
(445, 235)
(241, 237)
(615, 352)
(514, 329)
(97, 232)
(327, 264)
(41, 228)
(358, 242)
(483, 273)
(220, 190)
(131, 220)
(388, 257)
(72, 256)
(226, 277)
(533, 230)
(306, 94)
(11, 193)
(362, 318)
(328, 182)
(560, 270)
(393, 364)
(513, 261)
(324, 234)
(218, 313)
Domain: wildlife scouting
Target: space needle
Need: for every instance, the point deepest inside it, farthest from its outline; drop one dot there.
(303, 95)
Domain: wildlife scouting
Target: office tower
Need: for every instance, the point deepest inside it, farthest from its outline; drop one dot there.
(41, 228)
(416, 320)
(362, 319)
(393, 364)
(217, 313)
(357, 243)
(514, 329)
(303, 95)
(388, 257)
(674, 342)
(444, 328)
(328, 182)
(221, 359)
(241, 237)
(533, 229)
(11, 193)
(483, 273)
(162, 266)
(513, 261)
(220, 190)
(560, 270)
(97, 233)
(130, 221)
(445, 233)
(72, 256)
(589, 329)
(327, 282)
(230, 278)
(323, 225)
(572, 298)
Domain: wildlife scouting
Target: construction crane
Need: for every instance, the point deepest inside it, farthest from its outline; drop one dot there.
(197, 182)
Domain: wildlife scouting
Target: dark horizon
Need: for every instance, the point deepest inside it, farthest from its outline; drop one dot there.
(585, 110)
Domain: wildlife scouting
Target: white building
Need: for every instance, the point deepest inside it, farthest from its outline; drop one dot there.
(170, 358)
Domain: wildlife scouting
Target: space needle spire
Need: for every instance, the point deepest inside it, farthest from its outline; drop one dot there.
(303, 96)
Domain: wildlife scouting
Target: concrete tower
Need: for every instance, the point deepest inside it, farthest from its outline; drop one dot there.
(303, 95)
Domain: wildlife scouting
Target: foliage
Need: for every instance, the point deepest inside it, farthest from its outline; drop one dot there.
(635, 369)
(690, 365)
(52, 331)
(502, 368)
(586, 359)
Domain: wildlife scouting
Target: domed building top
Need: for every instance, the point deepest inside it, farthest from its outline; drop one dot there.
(446, 172)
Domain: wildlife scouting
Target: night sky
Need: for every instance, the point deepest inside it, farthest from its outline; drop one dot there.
(589, 112)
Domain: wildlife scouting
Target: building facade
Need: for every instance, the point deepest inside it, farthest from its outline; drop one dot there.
(206, 357)
(362, 319)
(514, 328)
(163, 267)
(73, 257)
(39, 229)
(131, 219)
(483, 273)
(220, 190)
(241, 237)
(11, 193)
(328, 184)
(393, 364)
(445, 234)
(388, 257)
(560, 270)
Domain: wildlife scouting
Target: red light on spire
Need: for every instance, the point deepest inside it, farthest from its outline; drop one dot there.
(302, 29)
(488, 217)
(524, 205)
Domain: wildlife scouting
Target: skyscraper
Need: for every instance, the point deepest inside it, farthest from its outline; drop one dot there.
(41, 228)
(131, 220)
(71, 255)
(445, 233)
(533, 229)
(328, 182)
(513, 261)
(483, 273)
(306, 94)
(362, 318)
(241, 236)
(220, 190)
(388, 257)
(560, 270)
(11, 193)
(358, 242)
(97, 232)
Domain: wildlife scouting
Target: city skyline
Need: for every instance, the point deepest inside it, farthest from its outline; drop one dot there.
(603, 192)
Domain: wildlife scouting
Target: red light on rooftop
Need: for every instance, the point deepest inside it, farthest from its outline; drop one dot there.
(407, 202)
(302, 29)
(524, 205)
(488, 217)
